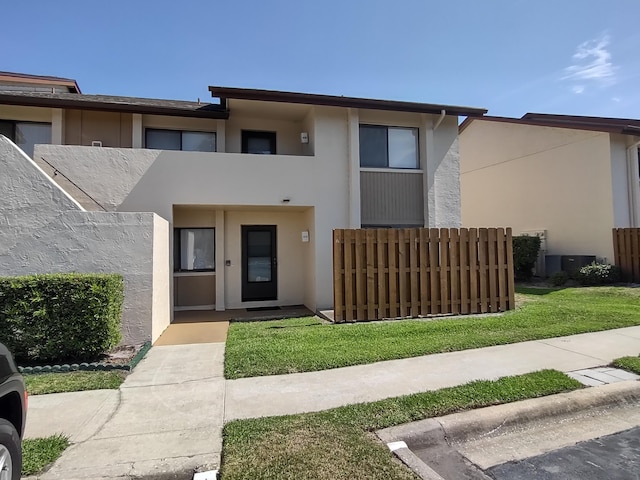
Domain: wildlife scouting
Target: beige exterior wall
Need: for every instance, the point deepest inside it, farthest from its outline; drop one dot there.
(291, 252)
(535, 178)
(85, 126)
(161, 304)
(25, 114)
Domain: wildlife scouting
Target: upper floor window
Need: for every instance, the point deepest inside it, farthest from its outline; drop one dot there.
(26, 134)
(180, 140)
(258, 142)
(388, 147)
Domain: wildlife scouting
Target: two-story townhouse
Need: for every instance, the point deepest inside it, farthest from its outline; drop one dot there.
(251, 185)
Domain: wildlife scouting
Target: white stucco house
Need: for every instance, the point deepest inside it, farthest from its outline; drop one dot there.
(570, 179)
(240, 196)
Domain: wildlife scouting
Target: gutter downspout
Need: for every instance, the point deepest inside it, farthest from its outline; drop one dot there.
(443, 113)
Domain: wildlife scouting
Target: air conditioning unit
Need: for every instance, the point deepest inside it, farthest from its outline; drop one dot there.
(96, 143)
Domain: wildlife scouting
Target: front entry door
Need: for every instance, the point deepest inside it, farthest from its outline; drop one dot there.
(259, 263)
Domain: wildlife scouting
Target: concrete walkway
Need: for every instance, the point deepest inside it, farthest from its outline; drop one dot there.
(164, 422)
(166, 419)
(315, 391)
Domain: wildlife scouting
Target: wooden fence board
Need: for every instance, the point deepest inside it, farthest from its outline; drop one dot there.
(626, 252)
(389, 273)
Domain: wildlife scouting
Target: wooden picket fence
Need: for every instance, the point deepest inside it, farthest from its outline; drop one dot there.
(626, 253)
(413, 272)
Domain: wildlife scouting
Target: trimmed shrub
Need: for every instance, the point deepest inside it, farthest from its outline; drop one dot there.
(60, 316)
(559, 278)
(598, 274)
(525, 254)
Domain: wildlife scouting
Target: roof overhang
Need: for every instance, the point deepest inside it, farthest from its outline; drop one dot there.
(225, 93)
(24, 78)
(115, 104)
(621, 126)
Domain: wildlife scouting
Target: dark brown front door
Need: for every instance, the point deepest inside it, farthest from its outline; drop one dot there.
(259, 263)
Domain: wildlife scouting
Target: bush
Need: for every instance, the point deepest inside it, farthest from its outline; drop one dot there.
(525, 254)
(60, 316)
(598, 274)
(559, 278)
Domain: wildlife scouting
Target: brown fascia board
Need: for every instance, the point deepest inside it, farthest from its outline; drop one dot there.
(336, 101)
(115, 104)
(538, 120)
(39, 80)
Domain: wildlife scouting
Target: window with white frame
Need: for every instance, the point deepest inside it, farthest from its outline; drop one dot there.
(388, 147)
(194, 250)
(188, 141)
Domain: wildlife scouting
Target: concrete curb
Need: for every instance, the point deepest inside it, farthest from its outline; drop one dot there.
(439, 434)
(466, 425)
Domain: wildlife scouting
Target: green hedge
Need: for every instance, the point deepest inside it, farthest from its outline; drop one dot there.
(525, 254)
(60, 316)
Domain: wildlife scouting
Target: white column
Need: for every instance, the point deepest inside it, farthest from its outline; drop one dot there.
(136, 131)
(221, 136)
(57, 126)
(429, 165)
(633, 174)
(220, 261)
(353, 127)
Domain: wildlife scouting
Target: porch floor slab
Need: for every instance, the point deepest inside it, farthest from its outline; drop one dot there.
(186, 333)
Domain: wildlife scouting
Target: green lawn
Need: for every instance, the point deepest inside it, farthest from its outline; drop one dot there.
(39, 384)
(307, 344)
(38, 453)
(631, 364)
(339, 444)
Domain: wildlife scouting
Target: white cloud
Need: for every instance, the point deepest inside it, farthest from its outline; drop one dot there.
(591, 65)
(616, 99)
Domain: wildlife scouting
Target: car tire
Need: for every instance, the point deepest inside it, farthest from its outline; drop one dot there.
(10, 445)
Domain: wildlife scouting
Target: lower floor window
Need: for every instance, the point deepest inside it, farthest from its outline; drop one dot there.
(194, 249)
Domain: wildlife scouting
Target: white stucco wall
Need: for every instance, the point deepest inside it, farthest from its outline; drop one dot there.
(534, 178)
(106, 174)
(42, 230)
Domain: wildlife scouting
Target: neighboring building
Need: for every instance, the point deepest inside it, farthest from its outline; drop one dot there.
(251, 185)
(569, 178)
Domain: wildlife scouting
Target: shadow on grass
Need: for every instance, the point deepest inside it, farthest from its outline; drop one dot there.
(529, 290)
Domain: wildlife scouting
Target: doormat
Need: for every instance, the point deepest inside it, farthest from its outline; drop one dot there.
(262, 309)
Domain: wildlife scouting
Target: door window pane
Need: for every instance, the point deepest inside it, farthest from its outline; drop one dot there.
(197, 249)
(259, 256)
(163, 139)
(199, 141)
(403, 147)
(30, 134)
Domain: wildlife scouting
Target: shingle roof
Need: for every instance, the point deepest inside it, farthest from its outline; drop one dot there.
(114, 104)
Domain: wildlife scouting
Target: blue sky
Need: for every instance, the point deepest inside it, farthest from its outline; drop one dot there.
(510, 56)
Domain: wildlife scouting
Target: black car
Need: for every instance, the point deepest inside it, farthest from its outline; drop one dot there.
(13, 411)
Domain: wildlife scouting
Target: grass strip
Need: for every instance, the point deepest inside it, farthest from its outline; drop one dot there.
(309, 344)
(40, 384)
(340, 444)
(38, 453)
(632, 364)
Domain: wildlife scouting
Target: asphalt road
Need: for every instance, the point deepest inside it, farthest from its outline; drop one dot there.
(614, 457)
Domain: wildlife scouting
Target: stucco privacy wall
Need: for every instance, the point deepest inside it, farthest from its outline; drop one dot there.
(540, 178)
(42, 230)
(106, 174)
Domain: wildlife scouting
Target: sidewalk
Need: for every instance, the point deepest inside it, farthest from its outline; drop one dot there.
(166, 419)
(315, 391)
(164, 422)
